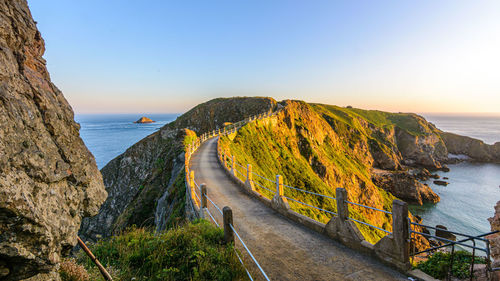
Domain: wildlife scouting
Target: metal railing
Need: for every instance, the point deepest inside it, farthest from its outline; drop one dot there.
(444, 243)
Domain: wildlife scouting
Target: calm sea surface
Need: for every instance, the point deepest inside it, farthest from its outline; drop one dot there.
(473, 189)
(465, 204)
(109, 135)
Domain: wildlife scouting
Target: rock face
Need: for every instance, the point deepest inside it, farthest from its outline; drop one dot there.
(495, 239)
(144, 120)
(405, 187)
(475, 149)
(146, 183)
(48, 179)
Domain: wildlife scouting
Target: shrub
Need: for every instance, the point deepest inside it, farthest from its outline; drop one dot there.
(195, 251)
(438, 264)
(69, 270)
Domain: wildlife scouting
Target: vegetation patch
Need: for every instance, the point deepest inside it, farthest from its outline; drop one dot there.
(195, 251)
(438, 264)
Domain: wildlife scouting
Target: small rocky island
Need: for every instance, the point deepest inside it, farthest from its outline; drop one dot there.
(144, 120)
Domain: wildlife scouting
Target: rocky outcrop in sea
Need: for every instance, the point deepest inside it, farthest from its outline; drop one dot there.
(49, 180)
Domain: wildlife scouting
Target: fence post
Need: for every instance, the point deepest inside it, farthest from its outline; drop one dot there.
(233, 164)
(203, 195)
(341, 227)
(342, 207)
(249, 182)
(227, 214)
(224, 160)
(279, 202)
(203, 203)
(191, 179)
(400, 229)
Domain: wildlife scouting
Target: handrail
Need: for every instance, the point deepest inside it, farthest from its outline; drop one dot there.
(260, 185)
(236, 162)
(311, 206)
(365, 223)
(303, 190)
(241, 261)
(210, 214)
(250, 253)
(373, 208)
(253, 173)
(215, 205)
(449, 231)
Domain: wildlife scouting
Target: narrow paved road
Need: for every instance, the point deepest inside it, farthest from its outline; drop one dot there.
(286, 250)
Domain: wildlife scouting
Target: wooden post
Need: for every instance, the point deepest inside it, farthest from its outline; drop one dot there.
(203, 195)
(101, 268)
(227, 214)
(342, 207)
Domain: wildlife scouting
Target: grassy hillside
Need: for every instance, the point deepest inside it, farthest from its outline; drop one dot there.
(195, 251)
(320, 147)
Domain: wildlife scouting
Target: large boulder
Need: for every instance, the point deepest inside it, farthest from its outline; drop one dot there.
(48, 179)
(405, 186)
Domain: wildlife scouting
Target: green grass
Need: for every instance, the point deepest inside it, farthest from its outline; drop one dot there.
(438, 264)
(274, 151)
(195, 251)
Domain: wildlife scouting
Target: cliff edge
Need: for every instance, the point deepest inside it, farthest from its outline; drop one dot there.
(48, 179)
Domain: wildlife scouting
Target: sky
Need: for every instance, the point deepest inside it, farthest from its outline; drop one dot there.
(167, 56)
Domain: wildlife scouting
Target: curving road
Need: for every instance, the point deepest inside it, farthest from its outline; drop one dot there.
(286, 250)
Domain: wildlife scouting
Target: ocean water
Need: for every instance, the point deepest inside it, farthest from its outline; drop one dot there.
(473, 190)
(109, 135)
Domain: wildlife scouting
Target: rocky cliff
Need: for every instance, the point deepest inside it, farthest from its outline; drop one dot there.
(48, 179)
(475, 149)
(145, 184)
(495, 239)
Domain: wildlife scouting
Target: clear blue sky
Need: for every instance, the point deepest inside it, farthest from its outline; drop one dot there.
(167, 56)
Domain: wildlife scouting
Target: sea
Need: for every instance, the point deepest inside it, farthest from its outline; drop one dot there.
(474, 188)
(109, 135)
(466, 203)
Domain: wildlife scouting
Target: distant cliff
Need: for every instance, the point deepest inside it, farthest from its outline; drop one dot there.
(145, 183)
(48, 179)
(475, 149)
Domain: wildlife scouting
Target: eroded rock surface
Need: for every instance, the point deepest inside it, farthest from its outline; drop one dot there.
(495, 239)
(48, 179)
